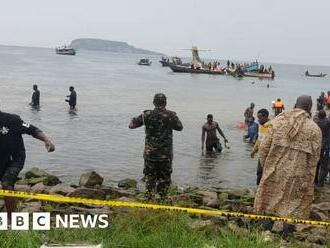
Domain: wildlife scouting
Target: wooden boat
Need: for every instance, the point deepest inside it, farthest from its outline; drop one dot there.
(144, 62)
(268, 75)
(314, 75)
(65, 50)
(186, 69)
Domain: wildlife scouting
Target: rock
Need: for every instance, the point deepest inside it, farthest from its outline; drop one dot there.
(199, 224)
(103, 210)
(267, 236)
(317, 239)
(35, 172)
(220, 220)
(210, 199)
(277, 227)
(31, 207)
(22, 188)
(303, 228)
(318, 215)
(213, 203)
(323, 207)
(61, 189)
(113, 193)
(88, 193)
(126, 199)
(40, 188)
(235, 194)
(233, 227)
(36, 175)
(127, 183)
(34, 181)
(223, 196)
(90, 179)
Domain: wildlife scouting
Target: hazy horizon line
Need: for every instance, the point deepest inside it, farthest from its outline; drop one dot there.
(235, 60)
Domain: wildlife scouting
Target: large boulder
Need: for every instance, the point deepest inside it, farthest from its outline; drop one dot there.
(36, 175)
(35, 172)
(127, 183)
(90, 179)
(88, 193)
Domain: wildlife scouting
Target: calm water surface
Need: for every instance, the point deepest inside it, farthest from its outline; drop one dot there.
(112, 89)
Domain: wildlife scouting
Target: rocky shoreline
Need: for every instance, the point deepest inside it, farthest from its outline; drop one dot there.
(238, 200)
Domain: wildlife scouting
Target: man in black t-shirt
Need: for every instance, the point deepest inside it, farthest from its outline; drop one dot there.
(12, 151)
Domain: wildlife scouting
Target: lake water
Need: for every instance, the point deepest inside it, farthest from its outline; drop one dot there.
(112, 89)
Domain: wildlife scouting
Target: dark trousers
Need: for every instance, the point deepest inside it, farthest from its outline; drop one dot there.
(259, 172)
(322, 167)
(157, 177)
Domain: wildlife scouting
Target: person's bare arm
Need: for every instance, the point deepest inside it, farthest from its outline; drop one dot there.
(221, 133)
(203, 137)
(43, 137)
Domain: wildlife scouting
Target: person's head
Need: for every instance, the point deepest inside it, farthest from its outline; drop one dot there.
(71, 88)
(322, 93)
(322, 114)
(304, 102)
(209, 118)
(263, 115)
(328, 93)
(252, 105)
(278, 99)
(35, 87)
(159, 100)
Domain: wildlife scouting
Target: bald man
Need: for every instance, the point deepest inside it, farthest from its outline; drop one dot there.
(288, 156)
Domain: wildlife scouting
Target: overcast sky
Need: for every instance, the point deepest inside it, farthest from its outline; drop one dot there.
(287, 31)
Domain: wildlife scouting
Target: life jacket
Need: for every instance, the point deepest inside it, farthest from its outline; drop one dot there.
(278, 104)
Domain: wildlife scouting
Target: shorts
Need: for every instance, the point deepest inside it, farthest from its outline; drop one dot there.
(214, 144)
(9, 173)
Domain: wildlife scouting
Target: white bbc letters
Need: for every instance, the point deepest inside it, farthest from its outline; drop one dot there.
(41, 221)
(3, 221)
(20, 221)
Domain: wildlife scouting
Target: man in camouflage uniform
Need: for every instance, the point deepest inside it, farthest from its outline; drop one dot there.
(158, 153)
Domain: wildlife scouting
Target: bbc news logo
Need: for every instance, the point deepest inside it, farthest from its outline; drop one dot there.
(42, 221)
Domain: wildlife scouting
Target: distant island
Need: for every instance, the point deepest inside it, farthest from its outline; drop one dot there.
(109, 45)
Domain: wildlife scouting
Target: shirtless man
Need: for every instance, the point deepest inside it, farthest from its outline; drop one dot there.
(212, 141)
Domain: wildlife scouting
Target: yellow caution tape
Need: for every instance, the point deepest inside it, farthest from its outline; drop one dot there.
(67, 199)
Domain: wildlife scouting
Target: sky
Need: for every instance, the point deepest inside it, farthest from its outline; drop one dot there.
(282, 31)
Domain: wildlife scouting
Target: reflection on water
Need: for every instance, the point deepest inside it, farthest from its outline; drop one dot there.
(208, 162)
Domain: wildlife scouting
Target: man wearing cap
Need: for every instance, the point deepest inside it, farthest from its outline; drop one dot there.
(158, 153)
(12, 151)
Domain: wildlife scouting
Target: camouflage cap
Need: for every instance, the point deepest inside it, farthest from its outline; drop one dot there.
(159, 98)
